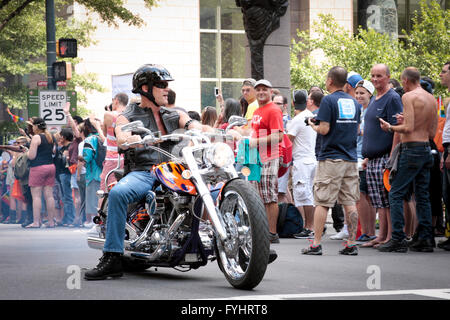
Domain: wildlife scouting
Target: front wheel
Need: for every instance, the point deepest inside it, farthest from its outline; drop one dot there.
(244, 256)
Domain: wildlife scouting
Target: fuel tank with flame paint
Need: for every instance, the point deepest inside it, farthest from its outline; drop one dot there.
(169, 174)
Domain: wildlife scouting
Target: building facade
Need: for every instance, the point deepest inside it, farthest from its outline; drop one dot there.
(203, 42)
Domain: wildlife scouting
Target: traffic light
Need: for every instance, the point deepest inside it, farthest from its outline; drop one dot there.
(62, 70)
(66, 48)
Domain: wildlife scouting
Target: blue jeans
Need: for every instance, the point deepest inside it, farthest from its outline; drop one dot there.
(69, 209)
(131, 188)
(414, 165)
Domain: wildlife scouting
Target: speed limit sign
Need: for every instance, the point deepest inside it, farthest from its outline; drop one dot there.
(51, 106)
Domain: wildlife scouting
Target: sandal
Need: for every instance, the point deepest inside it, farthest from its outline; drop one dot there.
(30, 226)
(48, 226)
(370, 244)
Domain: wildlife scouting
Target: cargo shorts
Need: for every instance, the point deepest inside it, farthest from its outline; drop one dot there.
(336, 180)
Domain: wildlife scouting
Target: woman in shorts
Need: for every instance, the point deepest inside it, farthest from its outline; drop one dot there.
(42, 172)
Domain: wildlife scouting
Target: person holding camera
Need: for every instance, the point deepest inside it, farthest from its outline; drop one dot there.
(337, 176)
(303, 138)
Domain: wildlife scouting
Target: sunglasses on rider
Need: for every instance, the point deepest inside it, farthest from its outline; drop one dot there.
(161, 84)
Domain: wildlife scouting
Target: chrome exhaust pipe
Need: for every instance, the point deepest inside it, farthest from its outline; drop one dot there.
(98, 243)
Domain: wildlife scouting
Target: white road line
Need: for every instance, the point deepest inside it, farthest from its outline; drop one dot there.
(433, 293)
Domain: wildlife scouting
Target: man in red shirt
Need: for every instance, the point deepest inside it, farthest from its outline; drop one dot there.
(267, 133)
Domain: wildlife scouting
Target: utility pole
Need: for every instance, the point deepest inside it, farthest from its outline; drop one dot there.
(51, 42)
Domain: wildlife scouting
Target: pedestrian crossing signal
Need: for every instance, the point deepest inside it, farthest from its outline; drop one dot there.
(62, 71)
(66, 48)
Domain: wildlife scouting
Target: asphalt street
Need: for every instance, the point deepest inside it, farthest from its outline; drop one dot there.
(47, 264)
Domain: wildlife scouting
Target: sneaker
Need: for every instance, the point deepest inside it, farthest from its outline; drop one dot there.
(421, 245)
(313, 250)
(110, 265)
(94, 231)
(341, 235)
(274, 238)
(349, 250)
(88, 225)
(304, 234)
(444, 244)
(394, 246)
(272, 256)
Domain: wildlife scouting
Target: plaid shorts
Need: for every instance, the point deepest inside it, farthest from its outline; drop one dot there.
(374, 174)
(268, 184)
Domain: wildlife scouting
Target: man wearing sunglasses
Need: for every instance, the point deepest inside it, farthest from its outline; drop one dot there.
(152, 83)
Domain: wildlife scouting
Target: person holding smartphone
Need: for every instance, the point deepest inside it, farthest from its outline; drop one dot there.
(377, 145)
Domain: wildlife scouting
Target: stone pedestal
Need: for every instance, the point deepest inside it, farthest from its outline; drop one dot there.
(276, 57)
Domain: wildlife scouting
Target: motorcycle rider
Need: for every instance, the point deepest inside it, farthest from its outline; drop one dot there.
(152, 83)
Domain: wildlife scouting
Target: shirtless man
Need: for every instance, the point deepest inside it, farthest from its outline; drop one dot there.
(414, 162)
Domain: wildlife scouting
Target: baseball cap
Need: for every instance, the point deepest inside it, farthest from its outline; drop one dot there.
(299, 99)
(263, 82)
(353, 78)
(249, 82)
(366, 85)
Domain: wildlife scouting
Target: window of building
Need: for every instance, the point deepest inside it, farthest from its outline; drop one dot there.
(222, 50)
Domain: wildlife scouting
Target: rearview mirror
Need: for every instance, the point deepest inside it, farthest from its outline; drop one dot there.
(236, 121)
(133, 126)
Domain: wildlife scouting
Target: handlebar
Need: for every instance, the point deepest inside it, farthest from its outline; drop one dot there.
(193, 135)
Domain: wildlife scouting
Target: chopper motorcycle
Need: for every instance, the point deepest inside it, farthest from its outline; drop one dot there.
(198, 211)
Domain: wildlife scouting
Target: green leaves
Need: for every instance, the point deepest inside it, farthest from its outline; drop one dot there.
(329, 44)
(23, 42)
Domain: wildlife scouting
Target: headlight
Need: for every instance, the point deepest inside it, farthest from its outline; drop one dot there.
(220, 155)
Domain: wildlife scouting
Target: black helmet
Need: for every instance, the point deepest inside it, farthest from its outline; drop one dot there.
(148, 74)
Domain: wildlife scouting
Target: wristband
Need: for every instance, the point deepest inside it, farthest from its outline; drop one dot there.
(188, 123)
(390, 129)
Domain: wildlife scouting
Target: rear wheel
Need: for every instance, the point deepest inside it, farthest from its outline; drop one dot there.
(243, 257)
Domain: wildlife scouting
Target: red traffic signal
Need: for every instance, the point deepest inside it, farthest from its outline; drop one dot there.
(66, 48)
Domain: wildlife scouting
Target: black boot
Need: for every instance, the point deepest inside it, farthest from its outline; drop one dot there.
(12, 217)
(23, 217)
(422, 245)
(110, 265)
(394, 246)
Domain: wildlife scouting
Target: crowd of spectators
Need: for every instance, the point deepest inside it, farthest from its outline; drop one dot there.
(343, 137)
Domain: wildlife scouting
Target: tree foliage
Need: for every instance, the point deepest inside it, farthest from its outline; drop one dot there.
(23, 43)
(426, 47)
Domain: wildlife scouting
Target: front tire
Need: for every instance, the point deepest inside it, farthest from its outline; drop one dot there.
(243, 258)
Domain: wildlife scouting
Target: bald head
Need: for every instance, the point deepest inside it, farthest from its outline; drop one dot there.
(380, 75)
(381, 67)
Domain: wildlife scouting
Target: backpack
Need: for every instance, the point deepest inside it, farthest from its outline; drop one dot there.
(22, 167)
(59, 161)
(99, 154)
(290, 220)
(285, 155)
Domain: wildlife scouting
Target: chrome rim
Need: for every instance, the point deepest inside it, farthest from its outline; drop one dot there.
(235, 253)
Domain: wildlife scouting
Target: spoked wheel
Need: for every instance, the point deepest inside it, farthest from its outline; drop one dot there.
(243, 257)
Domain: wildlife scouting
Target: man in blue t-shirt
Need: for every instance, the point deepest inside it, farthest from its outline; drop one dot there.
(377, 145)
(337, 177)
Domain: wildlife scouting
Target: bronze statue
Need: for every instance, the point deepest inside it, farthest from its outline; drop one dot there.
(261, 18)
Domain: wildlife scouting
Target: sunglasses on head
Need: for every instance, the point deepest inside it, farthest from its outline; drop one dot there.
(161, 84)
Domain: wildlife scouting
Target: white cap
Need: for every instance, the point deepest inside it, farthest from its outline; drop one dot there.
(264, 82)
(366, 85)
